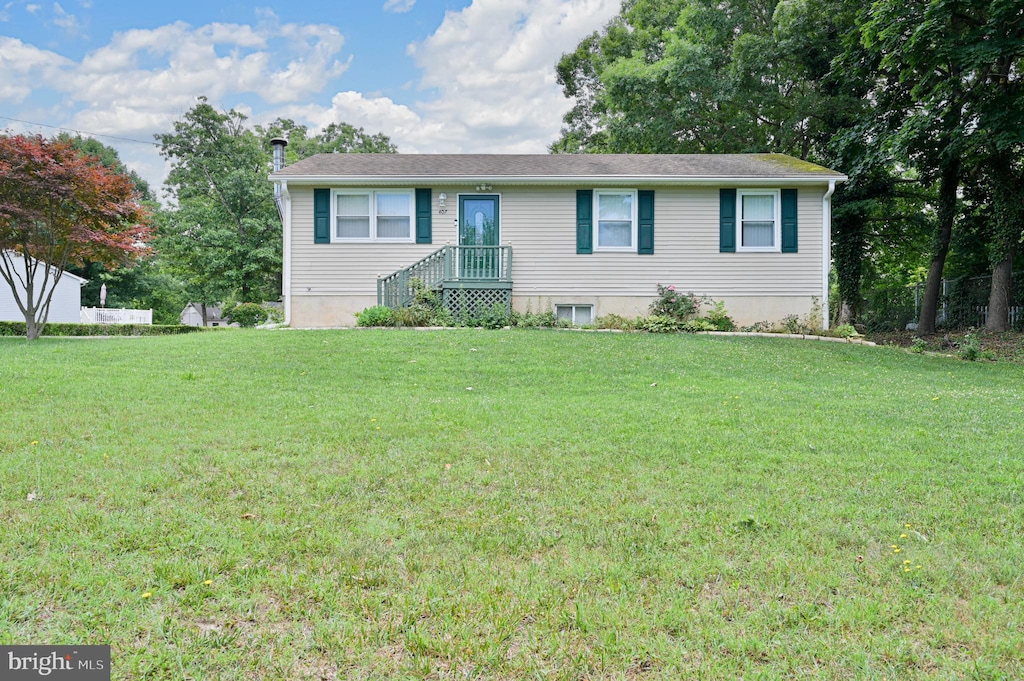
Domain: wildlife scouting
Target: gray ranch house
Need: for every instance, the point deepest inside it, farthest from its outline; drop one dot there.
(585, 235)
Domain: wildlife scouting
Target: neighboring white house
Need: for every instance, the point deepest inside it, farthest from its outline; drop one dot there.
(192, 315)
(586, 235)
(65, 306)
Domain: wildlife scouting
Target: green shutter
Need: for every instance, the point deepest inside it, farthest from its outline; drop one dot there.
(321, 216)
(584, 221)
(727, 220)
(424, 210)
(789, 221)
(645, 222)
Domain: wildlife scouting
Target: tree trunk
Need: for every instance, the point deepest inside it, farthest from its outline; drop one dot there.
(999, 297)
(32, 329)
(203, 306)
(949, 182)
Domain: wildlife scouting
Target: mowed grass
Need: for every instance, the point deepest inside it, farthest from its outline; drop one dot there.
(512, 504)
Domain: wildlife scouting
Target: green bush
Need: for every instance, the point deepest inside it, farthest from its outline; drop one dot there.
(378, 315)
(845, 331)
(918, 345)
(614, 321)
(657, 323)
(247, 315)
(671, 303)
(970, 348)
(698, 324)
(69, 329)
(534, 320)
(720, 319)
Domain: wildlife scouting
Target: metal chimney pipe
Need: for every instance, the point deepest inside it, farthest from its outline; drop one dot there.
(278, 144)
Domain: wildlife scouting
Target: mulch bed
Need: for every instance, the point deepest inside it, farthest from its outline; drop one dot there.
(1008, 346)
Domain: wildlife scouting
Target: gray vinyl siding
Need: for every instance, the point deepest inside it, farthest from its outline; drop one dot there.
(540, 223)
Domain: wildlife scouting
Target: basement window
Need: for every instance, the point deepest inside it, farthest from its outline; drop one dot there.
(577, 315)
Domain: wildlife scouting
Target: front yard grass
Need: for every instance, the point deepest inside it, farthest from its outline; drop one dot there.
(512, 504)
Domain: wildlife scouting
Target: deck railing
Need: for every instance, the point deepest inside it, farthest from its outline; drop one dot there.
(452, 264)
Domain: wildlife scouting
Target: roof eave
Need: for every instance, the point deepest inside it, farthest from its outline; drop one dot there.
(556, 179)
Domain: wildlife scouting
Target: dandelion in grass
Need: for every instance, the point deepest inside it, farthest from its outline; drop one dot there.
(903, 536)
(35, 442)
(906, 569)
(918, 567)
(147, 595)
(207, 582)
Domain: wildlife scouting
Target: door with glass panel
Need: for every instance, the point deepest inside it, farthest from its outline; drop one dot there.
(479, 255)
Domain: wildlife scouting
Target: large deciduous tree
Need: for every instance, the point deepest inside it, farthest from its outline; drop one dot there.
(59, 207)
(223, 237)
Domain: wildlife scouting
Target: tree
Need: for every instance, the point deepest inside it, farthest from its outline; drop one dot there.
(336, 138)
(701, 76)
(58, 207)
(223, 238)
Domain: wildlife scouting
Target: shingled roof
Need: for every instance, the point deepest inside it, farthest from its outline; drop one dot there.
(555, 166)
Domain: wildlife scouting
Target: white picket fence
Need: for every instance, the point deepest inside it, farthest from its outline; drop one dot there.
(1014, 317)
(107, 315)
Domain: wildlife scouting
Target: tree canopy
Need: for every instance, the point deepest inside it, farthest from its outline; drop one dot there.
(60, 207)
(223, 236)
(913, 99)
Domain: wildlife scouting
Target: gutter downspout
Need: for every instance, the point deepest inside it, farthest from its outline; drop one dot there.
(826, 250)
(286, 252)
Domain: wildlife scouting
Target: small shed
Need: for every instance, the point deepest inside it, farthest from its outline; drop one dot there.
(65, 306)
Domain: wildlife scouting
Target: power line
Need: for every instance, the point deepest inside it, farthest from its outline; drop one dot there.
(80, 132)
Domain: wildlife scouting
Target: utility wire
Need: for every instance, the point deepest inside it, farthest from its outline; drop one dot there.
(80, 132)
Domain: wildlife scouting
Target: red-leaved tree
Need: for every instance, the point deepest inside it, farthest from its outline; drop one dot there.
(59, 207)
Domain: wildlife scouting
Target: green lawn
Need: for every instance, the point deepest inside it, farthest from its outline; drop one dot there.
(512, 504)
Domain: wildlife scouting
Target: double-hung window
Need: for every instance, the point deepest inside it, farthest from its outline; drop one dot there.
(384, 215)
(615, 219)
(759, 225)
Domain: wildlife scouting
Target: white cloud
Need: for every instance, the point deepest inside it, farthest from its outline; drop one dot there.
(398, 6)
(66, 21)
(493, 65)
(32, 9)
(491, 68)
(487, 81)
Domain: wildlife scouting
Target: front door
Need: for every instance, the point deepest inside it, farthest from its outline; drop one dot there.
(479, 255)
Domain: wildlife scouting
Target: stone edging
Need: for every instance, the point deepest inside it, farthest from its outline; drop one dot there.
(802, 336)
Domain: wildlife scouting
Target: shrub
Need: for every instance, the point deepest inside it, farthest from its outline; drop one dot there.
(698, 324)
(970, 348)
(614, 321)
(659, 324)
(845, 331)
(720, 319)
(918, 345)
(58, 329)
(494, 317)
(534, 320)
(378, 315)
(671, 303)
(247, 315)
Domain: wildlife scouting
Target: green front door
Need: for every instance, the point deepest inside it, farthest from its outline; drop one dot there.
(479, 256)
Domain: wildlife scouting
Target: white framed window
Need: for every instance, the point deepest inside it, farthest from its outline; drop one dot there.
(759, 223)
(577, 315)
(365, 215)
(615, 220)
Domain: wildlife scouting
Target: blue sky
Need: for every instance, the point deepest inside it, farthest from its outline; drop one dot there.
(434, 75)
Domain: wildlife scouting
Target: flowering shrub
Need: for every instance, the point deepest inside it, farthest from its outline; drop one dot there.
(672, 303)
